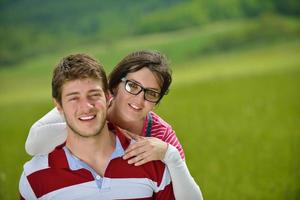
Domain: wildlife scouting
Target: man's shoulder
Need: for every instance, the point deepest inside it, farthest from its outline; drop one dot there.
(37, 163)
(45, 161)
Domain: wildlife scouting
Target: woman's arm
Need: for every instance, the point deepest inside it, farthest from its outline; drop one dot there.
(46, 134)
(184, 185)
(146, 149)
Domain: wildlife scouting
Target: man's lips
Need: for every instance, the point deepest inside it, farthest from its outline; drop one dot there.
(87, 118)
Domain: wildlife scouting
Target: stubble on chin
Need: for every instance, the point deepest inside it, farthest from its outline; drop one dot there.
(86, 134)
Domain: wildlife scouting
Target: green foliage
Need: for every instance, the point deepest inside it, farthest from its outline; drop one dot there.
(240, 134)
(236, 94)
(33, 27)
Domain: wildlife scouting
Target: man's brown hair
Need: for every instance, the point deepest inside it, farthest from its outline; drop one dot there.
(73, 67)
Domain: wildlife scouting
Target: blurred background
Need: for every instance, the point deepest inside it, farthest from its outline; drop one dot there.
(234, 100)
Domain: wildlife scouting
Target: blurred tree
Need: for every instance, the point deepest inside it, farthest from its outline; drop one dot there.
(32, 27)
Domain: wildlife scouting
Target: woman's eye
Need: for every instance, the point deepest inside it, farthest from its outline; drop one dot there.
(153, 94)
(133, 85)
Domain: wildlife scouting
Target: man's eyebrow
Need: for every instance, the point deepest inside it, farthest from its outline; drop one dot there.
(95, 90)
(72, 93)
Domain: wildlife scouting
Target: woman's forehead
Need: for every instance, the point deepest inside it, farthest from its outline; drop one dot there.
(146, 77)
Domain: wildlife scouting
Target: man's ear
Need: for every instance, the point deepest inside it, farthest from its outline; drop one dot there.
(58, 106)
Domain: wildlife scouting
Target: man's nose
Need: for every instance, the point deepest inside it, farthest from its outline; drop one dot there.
(85, 105)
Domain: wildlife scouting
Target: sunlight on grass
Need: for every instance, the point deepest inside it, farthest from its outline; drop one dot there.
(236, 112)
(243, 63)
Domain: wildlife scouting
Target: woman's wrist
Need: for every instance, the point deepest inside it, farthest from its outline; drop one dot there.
(172, 155)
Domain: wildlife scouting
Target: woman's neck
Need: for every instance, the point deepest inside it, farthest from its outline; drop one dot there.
(135, 127)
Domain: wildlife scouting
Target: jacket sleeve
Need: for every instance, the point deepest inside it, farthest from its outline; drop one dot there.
(184, 185)
(46, 134)
(171, 138)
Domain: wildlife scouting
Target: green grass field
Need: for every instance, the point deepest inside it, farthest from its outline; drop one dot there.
(238, 120)
(236, 113)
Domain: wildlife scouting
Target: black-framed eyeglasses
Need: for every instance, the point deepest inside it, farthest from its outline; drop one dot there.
(135, 88)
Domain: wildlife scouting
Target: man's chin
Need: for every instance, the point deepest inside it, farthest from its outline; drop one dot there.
(86, 131)
(88, 134)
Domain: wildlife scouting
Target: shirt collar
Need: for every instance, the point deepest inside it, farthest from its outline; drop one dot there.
(75, 163)
(61, 157)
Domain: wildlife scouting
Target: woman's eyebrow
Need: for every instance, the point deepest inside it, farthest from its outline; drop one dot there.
(155, 89)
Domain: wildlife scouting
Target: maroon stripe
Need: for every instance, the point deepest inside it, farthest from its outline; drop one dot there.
(57, 158)
(21, 198)
(51, 179)
(166, 193)
(119, 168)
(123, 140)
(146, 198)
(58, 175)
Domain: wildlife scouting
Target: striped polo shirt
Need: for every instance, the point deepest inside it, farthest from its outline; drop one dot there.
(155, 126)
(60, 175)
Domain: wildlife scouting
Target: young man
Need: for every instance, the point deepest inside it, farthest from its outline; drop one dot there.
(90, 164)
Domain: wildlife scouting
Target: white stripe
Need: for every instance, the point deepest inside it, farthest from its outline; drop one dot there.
(166, 180)
(86, 190)
(25, 188)
(116, 188)
(35, 164)
(130, 188)
(173, 141)
(158, 132)
(169, 137)
(158, 127)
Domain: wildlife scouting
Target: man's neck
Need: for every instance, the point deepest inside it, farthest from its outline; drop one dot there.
(95, 151)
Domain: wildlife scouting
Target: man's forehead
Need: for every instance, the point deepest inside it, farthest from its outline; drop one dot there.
(82, 86)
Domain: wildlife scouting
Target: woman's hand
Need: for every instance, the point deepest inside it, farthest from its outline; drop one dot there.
(145, 149)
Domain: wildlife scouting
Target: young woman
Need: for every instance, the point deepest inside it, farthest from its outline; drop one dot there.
(137, 84)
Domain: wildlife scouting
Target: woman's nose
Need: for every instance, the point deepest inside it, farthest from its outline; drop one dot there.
(140, 97)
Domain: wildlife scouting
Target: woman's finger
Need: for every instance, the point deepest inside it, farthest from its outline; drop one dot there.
(135, 150)
(139, 159)
(146, 158)
(136, 145)
(128, 136)
(136, 137)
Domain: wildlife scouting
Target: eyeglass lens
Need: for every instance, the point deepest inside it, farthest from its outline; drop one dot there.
(134, 88)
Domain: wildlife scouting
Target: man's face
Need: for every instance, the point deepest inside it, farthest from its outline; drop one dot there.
(84, 106)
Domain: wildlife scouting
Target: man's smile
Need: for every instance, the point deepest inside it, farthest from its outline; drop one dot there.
(87, 118)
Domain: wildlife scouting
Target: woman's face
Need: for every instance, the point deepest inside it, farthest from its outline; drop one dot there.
(132, 107)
